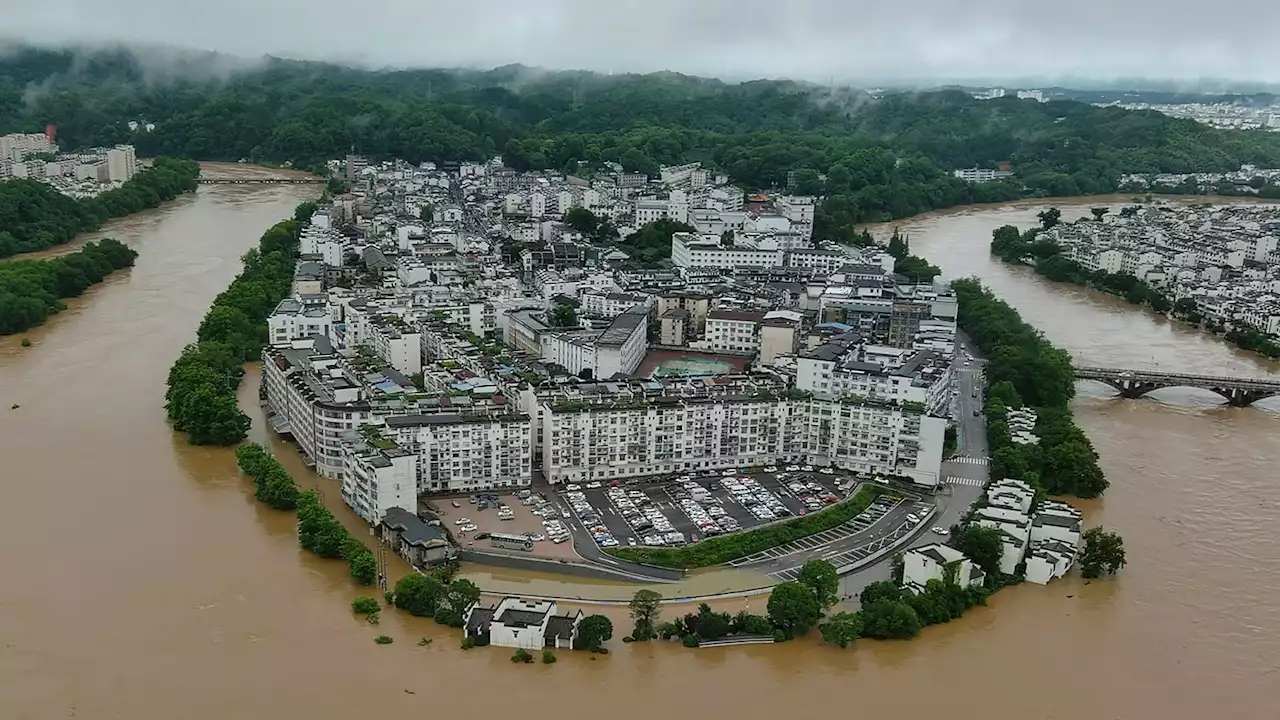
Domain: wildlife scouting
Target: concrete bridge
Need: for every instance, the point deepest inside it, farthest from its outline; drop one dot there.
(261, 181)
(1240, 392)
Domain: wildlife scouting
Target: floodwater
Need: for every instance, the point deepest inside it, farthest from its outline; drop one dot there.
(140, 580)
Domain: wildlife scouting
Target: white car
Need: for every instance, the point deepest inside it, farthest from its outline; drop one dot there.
(631, 542)
(807, 468)
(462, 521)
(573, 487)
(793, 468)
(827, 471)
(593, 486)
(913, 518)
(938, 530)
(565, 514)
(771, 468)
(468, 528)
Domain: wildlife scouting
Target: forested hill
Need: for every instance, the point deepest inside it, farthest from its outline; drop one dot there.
(883, 158)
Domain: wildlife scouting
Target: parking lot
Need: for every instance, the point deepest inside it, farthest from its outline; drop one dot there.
(691, 508)
(470, 525)
(856, 541)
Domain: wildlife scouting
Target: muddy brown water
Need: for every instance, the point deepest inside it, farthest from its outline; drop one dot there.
(140, 580)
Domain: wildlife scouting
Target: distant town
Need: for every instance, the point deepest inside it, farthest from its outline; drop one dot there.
(81, 174)
(1223, 259)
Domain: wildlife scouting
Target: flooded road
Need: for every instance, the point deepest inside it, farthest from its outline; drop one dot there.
(140, 580)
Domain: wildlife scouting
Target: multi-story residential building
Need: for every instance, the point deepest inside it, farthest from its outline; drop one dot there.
(937, 562)
(734, 331)
(617, 350)
(296, 318)
(377, 476)
(604, 432)
(466, 453)
(689, 250)
(851, 368)
(611, 304)
(396, 342)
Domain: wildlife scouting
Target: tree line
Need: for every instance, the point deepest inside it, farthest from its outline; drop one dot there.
(1025, 369)
(201, 395)
(1047, 258)
(319, 532)
(35, 216)
(874, 158)
(32, 290)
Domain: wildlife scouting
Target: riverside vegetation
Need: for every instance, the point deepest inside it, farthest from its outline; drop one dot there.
(1047, 259)
(32, 290)
(201, 396)
(1023, 368)
(35, 216)
(872, 158)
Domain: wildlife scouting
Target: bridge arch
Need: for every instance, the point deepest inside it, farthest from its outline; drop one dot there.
(1238, 392)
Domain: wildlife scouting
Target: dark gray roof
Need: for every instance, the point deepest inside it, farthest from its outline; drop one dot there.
(413, 529)
(478, 623)
(623, 325)
(933, 554)
(520, 618)
(1058, 520)
(560, 626)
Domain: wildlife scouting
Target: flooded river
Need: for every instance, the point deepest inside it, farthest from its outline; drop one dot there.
(140, 580)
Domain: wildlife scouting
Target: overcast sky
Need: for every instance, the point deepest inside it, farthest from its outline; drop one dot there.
(865, 40)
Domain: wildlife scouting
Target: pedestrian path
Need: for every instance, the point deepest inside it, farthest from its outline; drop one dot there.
(969, 460)
(972, 482)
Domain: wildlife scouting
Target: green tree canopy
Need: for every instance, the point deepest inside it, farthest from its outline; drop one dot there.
(794, 608)
(1103, 553)
(841, 628)
(594, 631)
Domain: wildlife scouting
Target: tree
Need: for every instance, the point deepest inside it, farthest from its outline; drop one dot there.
(426, 213)
(841, 629)
(898, 245)
(582, 220)
(563, 315)
(1049, 218)
(419, 594)
(794, 608)
(712, 625)
(890, 621)
(594, 631)
(1103, 553)
(458, 596)
(365, 605)
(880, 591)
(726, 238)
(211, 417)
(1098, 213)
(363, 567)
(982, 545)
(820, 576)
(646, 609)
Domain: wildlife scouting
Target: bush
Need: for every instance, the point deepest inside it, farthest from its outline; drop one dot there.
(780, 635)
(548, 657)
(468, 642)
(365, 605)
(522, 656)
(384, 640)
(690, 640)
(25, 342)
(722, 549)
(272, 483)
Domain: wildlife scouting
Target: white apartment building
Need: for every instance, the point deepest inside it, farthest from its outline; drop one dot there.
(293, 319)
(378, 476)
(1048, 560)
(397, 342)
(466, 453)
(877, 372)
(13, 145)
(619, 348)
(734, 331)
(797, 208)
(649, 428)
(689, 250)
(311, 397)
(122, 163)
(611, 304)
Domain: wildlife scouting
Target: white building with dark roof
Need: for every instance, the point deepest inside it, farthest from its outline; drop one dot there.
(522, 623)
(930, 562)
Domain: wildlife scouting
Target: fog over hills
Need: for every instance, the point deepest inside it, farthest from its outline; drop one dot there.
(1023, 43)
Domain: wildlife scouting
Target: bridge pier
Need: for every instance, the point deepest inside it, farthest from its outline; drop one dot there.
(1132, 389)
(1240, 397)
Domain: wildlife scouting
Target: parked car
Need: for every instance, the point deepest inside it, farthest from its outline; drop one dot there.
(457, 504)
(939, 530)
(461, 521)
(468, 528)
(912, 517)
